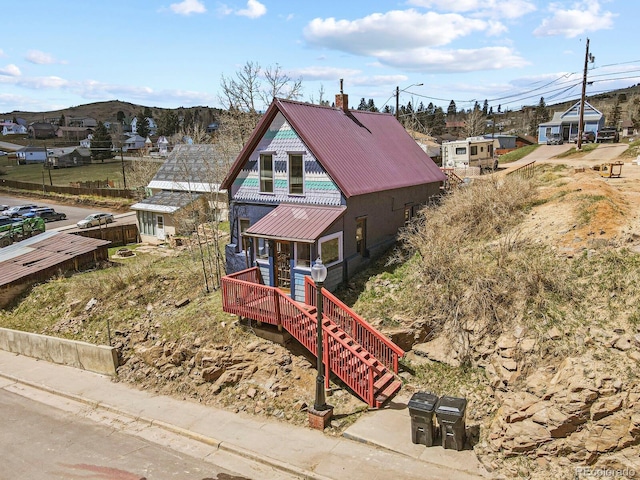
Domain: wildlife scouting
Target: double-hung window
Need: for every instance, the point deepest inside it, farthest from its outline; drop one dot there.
(296, 174)
(266, 173)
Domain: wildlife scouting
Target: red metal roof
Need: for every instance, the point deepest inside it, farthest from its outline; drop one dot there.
(42, 251)
(300, 223)
(363, 152)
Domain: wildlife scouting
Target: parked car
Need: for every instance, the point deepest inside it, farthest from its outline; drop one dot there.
(95, 219)
(47, 214)
(587, 137)
(555, 139)
(2, 152)
(18, 210)
(607, 134)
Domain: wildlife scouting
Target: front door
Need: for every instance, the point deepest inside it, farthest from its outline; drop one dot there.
(160, 227)
(283, 265)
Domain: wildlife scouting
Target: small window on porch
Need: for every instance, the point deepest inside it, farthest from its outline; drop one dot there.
(266, 173)
(296, 174)
(303, 254)
(263, 248)
(243, 225)
(474, 150)
(331, 249)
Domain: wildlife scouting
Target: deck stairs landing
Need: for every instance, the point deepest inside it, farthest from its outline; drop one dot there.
(364, 359)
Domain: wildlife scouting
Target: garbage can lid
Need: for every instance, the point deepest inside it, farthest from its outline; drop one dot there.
(423, 401)
(451, 405)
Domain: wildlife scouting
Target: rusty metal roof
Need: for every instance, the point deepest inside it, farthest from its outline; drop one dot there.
(363, 152)
(298, 223)
(42, 251)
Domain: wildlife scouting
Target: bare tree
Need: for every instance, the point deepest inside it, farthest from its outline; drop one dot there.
(252, 84)
(475, 123)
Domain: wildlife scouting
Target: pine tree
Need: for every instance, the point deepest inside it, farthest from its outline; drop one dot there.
(452, 110)
(363, 104)
(63, 121)
(371, 106)
(142, 127)
(485, 107)
(101, 143)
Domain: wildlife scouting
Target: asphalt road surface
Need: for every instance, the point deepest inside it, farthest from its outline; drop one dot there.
(74, 213)
(40, 441)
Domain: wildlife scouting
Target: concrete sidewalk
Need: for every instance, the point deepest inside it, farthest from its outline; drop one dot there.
(382, 450)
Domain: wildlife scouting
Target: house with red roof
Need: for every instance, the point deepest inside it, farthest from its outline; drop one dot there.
(322, 182)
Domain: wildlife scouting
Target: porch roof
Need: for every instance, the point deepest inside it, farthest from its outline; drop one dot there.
(166, 202)
(300, 223)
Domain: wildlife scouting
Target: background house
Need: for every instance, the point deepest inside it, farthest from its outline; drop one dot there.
(27, 155)
(41, 130)
(69, 157)
(10, 128)
(133, 142)
(627, 129)
(184, 192)
(316, 181)
(566, 123)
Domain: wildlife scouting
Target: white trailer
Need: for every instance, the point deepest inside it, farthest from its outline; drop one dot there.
(472, 152)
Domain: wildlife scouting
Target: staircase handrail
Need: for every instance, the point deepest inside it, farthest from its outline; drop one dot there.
(284, 311)
(357, 328)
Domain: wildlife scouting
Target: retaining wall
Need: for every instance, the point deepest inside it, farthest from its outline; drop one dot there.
(95, 358)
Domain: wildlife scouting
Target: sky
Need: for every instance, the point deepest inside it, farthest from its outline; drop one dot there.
(172, 54)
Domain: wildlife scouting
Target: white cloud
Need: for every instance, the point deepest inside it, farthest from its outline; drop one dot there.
(409, 39)
(10, 70)
(453, 60)
(187, 7)
(585, 16)
(392, 31)
(40, 58)
(483, 8)
(254, 9)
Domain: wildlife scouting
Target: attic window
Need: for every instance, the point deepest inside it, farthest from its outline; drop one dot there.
(296, 169)
(266, 173)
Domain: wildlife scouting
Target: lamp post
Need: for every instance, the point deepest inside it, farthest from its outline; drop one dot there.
(320, 414)
(319, 274)
(398, 95)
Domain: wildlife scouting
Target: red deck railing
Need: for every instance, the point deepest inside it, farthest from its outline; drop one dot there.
(243, 295)
(356, 327)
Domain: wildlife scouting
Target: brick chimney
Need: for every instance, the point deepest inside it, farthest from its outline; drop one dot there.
(342, 100)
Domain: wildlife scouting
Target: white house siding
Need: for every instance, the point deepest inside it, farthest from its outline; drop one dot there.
(280, 140)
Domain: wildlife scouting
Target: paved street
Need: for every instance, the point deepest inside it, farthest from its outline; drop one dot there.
(42, 441)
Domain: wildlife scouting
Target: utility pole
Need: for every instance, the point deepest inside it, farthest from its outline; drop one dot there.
(124, 178)
(397, 101)
(584, 91)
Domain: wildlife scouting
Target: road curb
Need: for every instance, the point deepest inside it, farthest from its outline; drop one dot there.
(207, 440)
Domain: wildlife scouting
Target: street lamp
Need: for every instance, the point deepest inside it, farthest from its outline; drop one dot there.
(319, 274)
(398, 95)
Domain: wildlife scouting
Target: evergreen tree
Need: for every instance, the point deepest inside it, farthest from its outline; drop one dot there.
(148, 113)
(142, 127)
(615, 113)
(120, 117)
(363, 104)
(452, 110)
(101, 143)
(438, 122)
(169, 123)
(540, 115)
(387, 109)
(499, 108)
(485, 107)
(371, 106)
(63, 121)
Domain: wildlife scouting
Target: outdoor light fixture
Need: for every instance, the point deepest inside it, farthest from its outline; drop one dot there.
(319, 274)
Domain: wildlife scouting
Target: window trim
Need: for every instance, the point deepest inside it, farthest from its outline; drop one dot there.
(328, 238)
(295, 154)
(263, 156)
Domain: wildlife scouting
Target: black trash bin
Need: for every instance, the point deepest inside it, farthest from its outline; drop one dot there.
(421, 407)
(450, 414)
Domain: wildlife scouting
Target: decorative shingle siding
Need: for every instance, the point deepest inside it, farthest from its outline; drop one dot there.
(281, 140)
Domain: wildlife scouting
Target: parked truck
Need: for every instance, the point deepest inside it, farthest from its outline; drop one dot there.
(607, 134)
(20, 229)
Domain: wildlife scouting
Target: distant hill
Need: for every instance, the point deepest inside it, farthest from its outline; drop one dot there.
(107, 111)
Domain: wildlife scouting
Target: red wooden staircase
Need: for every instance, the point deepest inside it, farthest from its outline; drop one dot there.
(364, 359)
